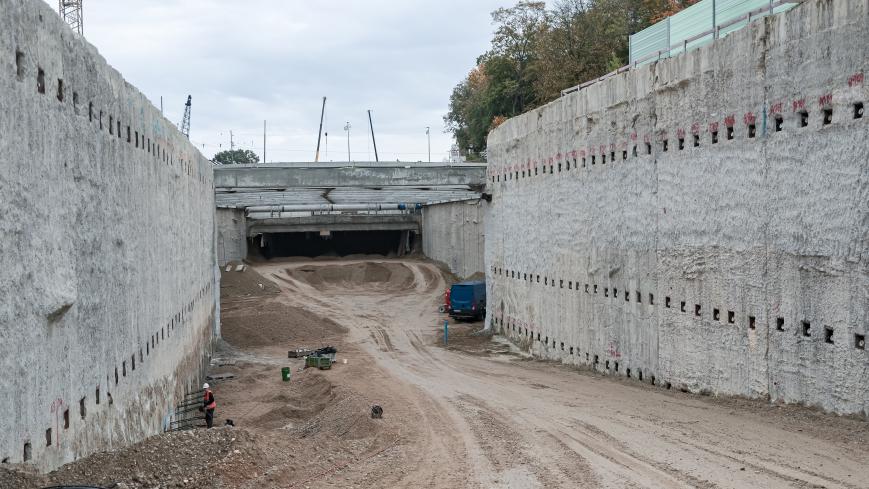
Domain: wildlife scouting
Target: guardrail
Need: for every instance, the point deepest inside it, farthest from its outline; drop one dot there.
(715, 32)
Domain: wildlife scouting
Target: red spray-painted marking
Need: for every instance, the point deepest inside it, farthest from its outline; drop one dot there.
(799, 104)
(749, 118)
(776, 108)
(680, 133)
(825, 100)
(730, 120)
(855, 79)
(695, 128)
(633, 136)
(713, 126)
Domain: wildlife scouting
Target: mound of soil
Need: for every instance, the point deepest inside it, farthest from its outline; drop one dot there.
(245, 284)
(182, 459)
(382, 276)
(275, 323)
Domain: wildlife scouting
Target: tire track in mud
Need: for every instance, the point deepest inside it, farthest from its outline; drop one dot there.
(513, 457)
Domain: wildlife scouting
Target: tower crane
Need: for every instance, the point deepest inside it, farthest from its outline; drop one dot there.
(71, 12)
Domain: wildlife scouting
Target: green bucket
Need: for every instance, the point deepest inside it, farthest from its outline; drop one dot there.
(285, 374)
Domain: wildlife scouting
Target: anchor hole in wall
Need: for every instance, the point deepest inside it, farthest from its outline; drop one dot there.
(48, 437)
(752, 130)
(28, 451)
(624, 155)
(714, 137)
(116, 375)
(119, 128)
(803, 118)
(75, 103)
(639, 297)
(697, 310)
(751, 322)
(124, 368)
(627, 295)
(586, 288)
(859, 341)
(716, 314)
(667, 302)
(603, 159)
(729, 133)
(545, 340)
(66, 419)
(616, 366)
(583, 161)
(828, 335)
(628, 372)
(111, 125)
(613, 156)
(615, 293)
(82, 408)
(593, 159)
(137, 139)
(545, 280)
(19, 65)
(595, 289)
(639, 374)
(559, 168)
(682, 306)
(780, 324)
(538, 279)
(90, 111)
(634, 151)
(696, 140)
(562, 346)
(606, 291)
(5, 460)
(807, 329)
(651, 299)
(570, 285)
(101, 120)
(133, 361)
(109, 397)
(731, 317)
(40, 80)
(681, 144)
(648, 148)
(596, 360)
(538, 336)
(571, 350)
(607, 365)
(665, 145)
(561, 284)
(97, 396)
(858, 110)
(828, 116)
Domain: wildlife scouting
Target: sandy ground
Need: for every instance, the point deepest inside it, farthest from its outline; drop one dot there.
(477, 414)
(480, 415)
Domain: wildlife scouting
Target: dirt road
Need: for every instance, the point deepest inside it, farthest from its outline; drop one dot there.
(480, 415)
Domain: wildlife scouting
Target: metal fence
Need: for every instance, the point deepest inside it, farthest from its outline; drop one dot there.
(695, 26)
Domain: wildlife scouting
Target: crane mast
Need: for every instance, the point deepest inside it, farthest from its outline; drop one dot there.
(71, 12)
(185, 124)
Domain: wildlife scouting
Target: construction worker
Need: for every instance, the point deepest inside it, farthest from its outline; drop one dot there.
(208, 405)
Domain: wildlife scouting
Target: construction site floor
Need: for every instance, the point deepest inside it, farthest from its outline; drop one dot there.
(478, 413)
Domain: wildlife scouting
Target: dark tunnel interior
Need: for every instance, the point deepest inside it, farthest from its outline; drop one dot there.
(339, 243)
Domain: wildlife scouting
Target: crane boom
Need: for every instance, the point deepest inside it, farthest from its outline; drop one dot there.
(320, 133)
(185, 124)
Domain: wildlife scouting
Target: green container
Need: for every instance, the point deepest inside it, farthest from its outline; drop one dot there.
(322, 363)
(285, 374)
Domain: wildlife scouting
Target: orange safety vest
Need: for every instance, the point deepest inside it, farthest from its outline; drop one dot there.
(213, 403)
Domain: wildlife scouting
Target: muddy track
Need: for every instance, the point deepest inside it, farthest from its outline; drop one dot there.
(494, 419)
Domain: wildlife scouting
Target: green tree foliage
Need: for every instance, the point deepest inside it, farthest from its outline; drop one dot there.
(537, 52)
(236, 157)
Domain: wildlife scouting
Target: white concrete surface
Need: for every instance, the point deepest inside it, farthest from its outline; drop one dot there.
(758, 228)
(453, 233)
(107, 267)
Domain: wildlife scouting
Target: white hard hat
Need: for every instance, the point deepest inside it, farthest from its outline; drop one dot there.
(205, 385)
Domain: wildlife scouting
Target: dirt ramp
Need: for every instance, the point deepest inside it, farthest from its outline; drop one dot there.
(274, 323)
(387, 277)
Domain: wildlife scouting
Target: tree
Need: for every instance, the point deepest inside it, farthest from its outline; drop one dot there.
(536, 53)
(236, 157)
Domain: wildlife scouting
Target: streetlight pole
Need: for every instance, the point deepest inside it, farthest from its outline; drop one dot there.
(428, 136)
(347, 128)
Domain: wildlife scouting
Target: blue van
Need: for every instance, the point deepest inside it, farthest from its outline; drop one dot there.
(468, 300)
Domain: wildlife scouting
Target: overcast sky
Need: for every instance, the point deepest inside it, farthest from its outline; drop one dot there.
(254, 60)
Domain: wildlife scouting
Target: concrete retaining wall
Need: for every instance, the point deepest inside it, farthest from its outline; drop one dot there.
(107, 265)
(231, 236)
(452, 233)
(664, 225)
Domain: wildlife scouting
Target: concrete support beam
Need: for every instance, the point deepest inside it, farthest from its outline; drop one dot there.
(289, 175)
